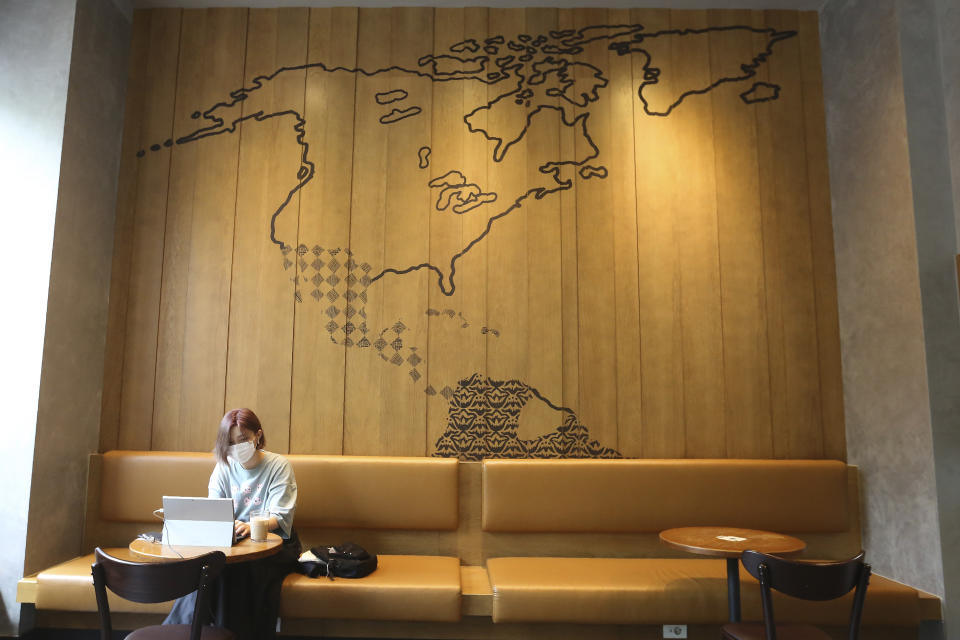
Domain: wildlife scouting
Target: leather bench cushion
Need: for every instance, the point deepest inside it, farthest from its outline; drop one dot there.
(377, 492)
(413, 588)
(623, 496)
(68, 586)
(406, 588)
(664, 591)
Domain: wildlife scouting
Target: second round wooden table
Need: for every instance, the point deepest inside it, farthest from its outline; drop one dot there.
(730, 543)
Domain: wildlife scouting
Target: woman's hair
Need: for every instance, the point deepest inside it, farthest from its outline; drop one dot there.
(243, 418)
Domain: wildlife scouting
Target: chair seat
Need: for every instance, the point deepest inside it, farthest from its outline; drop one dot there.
(754, 631)
(179, 632)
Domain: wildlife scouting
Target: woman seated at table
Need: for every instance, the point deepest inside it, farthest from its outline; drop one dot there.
(246, 599)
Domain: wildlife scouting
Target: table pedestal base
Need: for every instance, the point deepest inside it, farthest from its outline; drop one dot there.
(730, 543)
(733, 588)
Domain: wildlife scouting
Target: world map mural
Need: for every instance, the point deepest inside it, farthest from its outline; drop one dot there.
(528, 83)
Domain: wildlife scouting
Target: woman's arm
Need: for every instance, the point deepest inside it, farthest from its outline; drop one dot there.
(281, 499)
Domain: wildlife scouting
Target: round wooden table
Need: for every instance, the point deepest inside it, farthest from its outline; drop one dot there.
(243, 551)
(730, 543)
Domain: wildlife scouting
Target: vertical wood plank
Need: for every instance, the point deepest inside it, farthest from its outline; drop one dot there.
(446, 154)
(148, 238)
(365, 371)
(661, 339)
(402, 428)
(319, 363)
(824, 267)
(695, 208)
(123, 232)
(595, 256)
(799, 435)
(544, 301)
(472, 269)
(507, 285)
(194, 305)
(457, 347)
(745, 358)
(473, 266)
(568, 265)
(259, 356)
(620, 163)
(772, 257)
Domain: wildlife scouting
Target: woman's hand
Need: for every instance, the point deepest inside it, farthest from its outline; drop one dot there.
(242, 529)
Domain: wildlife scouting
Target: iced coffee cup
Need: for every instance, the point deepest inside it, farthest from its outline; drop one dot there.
(259, 525)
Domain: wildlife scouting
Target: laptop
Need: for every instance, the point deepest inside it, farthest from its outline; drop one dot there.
(198, 522)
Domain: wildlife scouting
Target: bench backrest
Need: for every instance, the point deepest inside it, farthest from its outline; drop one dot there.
(505, 508)
(334, 491)
(377, 492)
(624, 496)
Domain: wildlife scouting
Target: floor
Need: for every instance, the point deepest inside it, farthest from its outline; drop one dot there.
(90, 634)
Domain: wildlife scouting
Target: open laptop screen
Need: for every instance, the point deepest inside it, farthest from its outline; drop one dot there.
(198, 522)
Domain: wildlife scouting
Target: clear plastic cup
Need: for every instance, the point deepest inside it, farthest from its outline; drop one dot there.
(259, 525)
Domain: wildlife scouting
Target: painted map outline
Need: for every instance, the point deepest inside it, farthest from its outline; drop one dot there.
(568, 42)
(483, 413)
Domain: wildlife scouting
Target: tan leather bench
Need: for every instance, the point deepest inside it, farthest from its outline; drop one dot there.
(806, 498)
(335, 492)
(466, 547)
(665, 590)
(413, 588)
(69, 587)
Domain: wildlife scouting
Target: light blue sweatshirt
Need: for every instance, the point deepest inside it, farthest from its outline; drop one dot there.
(270, 486)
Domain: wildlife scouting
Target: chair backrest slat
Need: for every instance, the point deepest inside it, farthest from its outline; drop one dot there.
(149, 582)
(809, 581)
(156, 581)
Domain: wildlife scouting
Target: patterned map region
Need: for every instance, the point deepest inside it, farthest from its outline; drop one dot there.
(484, 422)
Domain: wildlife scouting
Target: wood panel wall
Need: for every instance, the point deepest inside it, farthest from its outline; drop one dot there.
(386, 237)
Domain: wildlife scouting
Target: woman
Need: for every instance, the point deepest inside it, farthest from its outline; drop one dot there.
(247, 597)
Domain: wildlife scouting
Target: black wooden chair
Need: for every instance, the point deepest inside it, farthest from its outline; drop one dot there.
(805, 580)
(159, 582)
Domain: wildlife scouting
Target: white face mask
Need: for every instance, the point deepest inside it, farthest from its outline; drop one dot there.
(242, 452)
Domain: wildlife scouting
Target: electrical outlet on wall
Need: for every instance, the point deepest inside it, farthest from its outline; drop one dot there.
(674, 631)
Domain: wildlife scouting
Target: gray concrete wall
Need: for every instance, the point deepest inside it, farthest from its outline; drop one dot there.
(68, 420)
(926, 75)
(62, 83)
(948, 17)
(35, 46)
(886, 394)
(891, 92)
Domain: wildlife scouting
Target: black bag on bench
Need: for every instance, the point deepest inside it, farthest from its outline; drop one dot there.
(347, 560)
